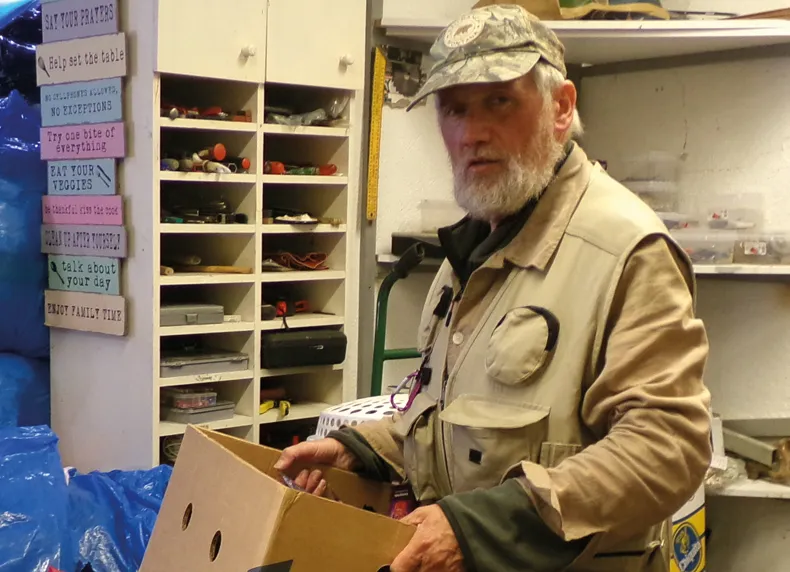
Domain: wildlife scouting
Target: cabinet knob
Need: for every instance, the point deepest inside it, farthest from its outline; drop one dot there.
(248, 51)
(347, 60)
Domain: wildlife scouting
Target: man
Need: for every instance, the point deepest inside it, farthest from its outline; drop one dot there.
(559, 418)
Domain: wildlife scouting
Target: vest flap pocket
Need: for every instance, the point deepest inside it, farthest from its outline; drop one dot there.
(404, 422)
(483, 413)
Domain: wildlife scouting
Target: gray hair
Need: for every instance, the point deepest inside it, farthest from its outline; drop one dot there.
(548, 78)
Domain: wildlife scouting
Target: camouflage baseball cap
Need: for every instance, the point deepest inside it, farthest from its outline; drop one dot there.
(496, 43)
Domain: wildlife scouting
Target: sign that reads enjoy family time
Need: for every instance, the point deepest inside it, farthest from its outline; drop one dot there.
(83, 102)
(100, 210)
(85, 59)
(90, 177)
(100, 141)
(69, 19)
(85, 312)
(79, 240)
(91, 274)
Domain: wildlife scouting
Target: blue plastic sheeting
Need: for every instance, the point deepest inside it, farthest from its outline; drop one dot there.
(101, 519)
(23, 274)
(11, 9)
(24, 391)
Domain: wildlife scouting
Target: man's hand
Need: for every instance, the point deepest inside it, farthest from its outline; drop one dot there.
(322, 452)
(433, 546)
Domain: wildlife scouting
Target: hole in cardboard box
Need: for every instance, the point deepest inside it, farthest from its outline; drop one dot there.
(187, 517)
(216, 543)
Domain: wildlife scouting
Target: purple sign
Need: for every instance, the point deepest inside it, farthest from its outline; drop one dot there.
(99, 141)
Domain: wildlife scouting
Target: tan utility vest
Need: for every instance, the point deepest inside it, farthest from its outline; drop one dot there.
(515, 390)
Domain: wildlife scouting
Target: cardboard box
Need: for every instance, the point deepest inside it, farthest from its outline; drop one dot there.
(226, 510)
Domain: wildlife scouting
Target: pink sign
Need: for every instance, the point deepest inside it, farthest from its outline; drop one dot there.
(99, 141)
(95, 209)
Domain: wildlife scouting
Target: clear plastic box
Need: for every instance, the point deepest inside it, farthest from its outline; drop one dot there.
(219, 412)
(762, 247)
(732, 212)
(438, 214)
(706, 246)
(651, 166)
(182, 398)
(661, 196)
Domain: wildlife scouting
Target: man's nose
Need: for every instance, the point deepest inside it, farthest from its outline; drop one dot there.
(475, 131)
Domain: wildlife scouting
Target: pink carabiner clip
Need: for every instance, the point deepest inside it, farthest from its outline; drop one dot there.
(413, 391)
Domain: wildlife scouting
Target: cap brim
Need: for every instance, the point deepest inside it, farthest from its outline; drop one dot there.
(493, 67)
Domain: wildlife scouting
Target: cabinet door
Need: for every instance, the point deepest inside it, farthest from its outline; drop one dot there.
(319, 43)
(203, 38)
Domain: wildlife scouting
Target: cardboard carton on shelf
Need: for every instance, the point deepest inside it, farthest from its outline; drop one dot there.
(227, 509)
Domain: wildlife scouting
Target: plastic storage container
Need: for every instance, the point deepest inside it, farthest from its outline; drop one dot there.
(706, 246)
(182, 398)
(732, 212)
(438, 214)
(651, 166)
(191, 314)
(177, 364)
(764, 247)
(219, 412)
(661, 196)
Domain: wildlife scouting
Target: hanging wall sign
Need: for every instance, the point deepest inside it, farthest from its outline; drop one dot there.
(79, 240)
(85, 312)
(85, 59)
(92, 274)
(69, 19)
(100, 141)
(100, 210)
(78, 103)
(90, 177)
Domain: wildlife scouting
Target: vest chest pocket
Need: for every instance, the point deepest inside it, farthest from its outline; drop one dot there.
(521, 345)
(416, 426)
(490, 436)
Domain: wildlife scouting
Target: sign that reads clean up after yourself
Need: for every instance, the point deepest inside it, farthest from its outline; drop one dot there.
(85, 59)
(69, 19)
(92, 274)
(89, 177)
(100, 210)
(100, 141)
(82, 102)
(85, 312)
(79, 240)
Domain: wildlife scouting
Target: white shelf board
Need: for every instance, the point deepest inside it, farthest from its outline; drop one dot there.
(298, 412)
(601, 42)
(305, 179)
(393, 258)
(303, 321)
(198, 177)
(207, 124)
(168, 428)
(297, 370)
(752, 489)
(279, 228)
(302, 276)
(225, 328)
(192, 228)
(742, 269)
(190, 278)
(305, 130)
(205, 378)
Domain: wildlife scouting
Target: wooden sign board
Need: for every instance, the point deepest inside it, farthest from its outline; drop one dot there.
(100, 210)
(85, 312)
(90, 177)
(85, 59)
(70, 19)
(90, 274)
(78, 240)
(82, 102)
(100, 141)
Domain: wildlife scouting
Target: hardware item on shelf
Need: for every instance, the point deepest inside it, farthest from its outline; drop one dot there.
(201, 212)
(285, 301)
(279, 168)
(278, 215)
(288, 260)
(166, 271)
(221, 411)
(170, 447)
(302, 348)
(215, 113)
(283, 405)
(212, 159)
(326, 116)
(190, 314)
(188, 398)
(216, 152)
(707, 246)
(215, 269)
(201, 361)
(765, 247)
(275, 393)
(268, 312)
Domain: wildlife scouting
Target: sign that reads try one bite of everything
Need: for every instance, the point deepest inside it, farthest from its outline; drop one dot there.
(69, 19)
(85, 312)
(85, 59)
(100, 141)
(79, 240)
(101, 210)
(89, 177)
(84, 274)
(78, 103)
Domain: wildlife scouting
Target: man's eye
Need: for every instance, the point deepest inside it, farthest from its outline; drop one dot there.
(453, 110)
(500, 100)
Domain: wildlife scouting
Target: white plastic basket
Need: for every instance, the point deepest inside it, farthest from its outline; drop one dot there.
(355, 412)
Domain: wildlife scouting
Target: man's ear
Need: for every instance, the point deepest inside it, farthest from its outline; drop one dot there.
(565, 104)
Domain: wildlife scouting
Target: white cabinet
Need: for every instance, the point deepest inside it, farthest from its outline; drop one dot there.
(204, 39)
(317, 43)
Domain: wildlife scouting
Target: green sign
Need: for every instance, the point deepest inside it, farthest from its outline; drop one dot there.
(93, 274)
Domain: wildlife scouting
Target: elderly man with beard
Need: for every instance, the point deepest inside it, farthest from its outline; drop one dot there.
(559, 418)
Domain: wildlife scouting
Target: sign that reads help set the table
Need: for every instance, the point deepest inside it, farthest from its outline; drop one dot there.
(92, 274)
(84, 240)
(89, 177)
(78, 103)
(85, 59)
(69, 19)
(100, 141)
(99, 210)
(85, 312)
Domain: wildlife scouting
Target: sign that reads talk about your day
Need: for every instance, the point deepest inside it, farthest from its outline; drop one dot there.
(89, 177)
(82, 102)
(85, 59)
(69, 19)
(99, 210)
(80, 240)
(91, 274)
(85, 312)
(100, 141)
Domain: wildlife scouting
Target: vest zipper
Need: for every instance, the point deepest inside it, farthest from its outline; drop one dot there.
(443, 395)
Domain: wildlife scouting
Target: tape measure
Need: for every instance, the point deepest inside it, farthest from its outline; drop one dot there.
(376, 107)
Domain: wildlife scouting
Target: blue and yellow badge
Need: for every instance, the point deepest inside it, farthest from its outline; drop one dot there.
(688, 549)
